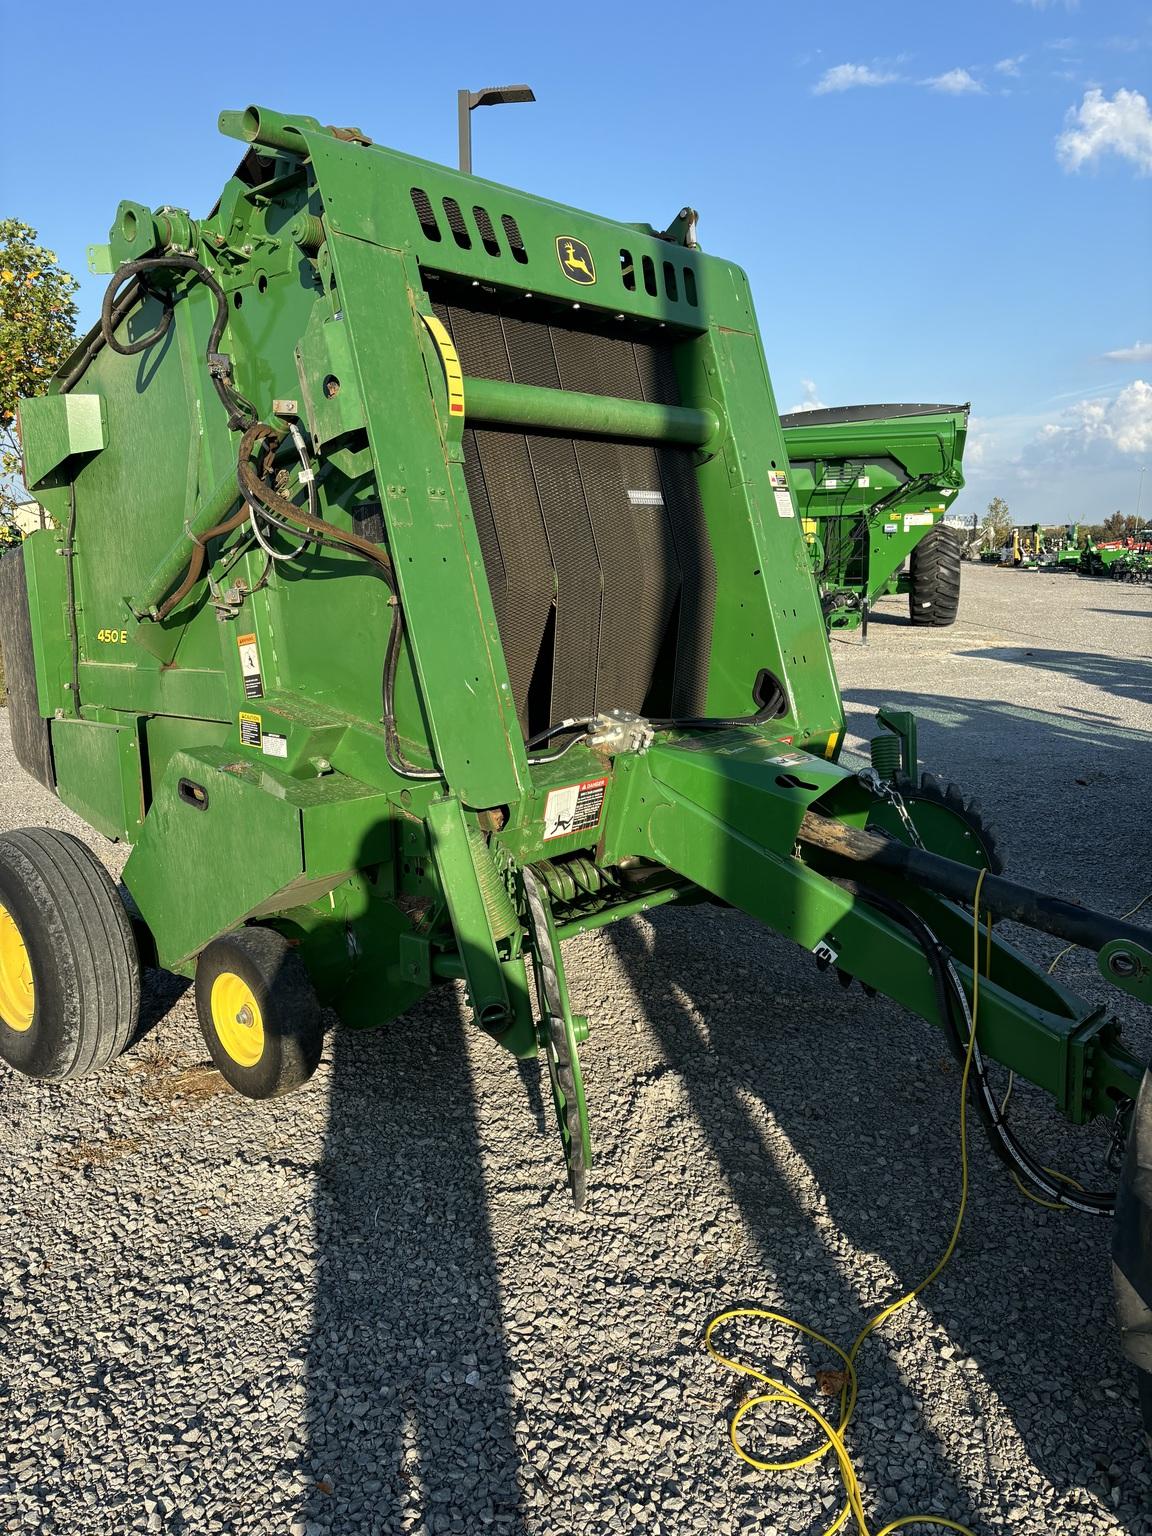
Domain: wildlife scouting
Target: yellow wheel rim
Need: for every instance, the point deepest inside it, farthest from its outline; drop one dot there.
(237, 1019)
(17, 990)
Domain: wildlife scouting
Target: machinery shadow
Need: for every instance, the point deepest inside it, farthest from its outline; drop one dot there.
(834, 1124)
(409, 1421)
(1130, 679)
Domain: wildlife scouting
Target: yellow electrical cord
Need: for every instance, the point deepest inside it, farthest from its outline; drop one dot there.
(782, 1393)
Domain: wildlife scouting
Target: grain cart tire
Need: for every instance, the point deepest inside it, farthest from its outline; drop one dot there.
(1132, 1249)
(69, 971)
(259, 1012)
(934, 587)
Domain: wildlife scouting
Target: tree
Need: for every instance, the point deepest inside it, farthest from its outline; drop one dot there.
(996, 524)
(37, 331)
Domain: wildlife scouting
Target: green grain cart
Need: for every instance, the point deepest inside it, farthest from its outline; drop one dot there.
(873, 484)
(427, 585)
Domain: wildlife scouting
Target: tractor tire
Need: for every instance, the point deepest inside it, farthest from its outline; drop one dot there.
(69, 970)
(1132, 1249)
(934, 586)
(259, 1012)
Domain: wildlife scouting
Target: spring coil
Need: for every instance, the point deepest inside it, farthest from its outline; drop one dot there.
(567, 881)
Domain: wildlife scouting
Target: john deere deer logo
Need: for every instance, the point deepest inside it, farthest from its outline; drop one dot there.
(575, 259)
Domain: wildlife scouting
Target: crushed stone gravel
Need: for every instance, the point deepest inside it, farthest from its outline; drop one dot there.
(369, 1308)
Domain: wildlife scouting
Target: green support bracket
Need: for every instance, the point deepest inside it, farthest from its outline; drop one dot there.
(452, 849)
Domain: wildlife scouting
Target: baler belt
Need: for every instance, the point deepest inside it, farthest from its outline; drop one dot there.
(591, 547)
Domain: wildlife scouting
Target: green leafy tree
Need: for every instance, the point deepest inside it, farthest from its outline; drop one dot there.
(996, 524)
(37, 331)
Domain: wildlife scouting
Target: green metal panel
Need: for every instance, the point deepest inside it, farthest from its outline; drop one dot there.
(98, 774)
(56, 429)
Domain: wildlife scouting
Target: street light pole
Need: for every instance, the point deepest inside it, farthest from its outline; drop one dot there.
(490, 96)
(1140, 492)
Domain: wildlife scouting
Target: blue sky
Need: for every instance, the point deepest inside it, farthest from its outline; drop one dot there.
(933, 203)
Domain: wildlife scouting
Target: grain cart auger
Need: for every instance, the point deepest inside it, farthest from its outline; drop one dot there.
(425, 587)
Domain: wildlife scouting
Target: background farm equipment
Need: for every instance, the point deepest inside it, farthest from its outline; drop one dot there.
(874, 483)
(1098, 558)
(426, 585)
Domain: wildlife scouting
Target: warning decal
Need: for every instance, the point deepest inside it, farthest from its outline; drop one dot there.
(250, 667)
(918, 519)
(251, 730)
(779, 483)
(576, 808)
(275, 745)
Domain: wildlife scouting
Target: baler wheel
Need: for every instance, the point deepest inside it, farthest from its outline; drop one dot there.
(259, 1012)
(69, 971)
(1132, 1249)
(934, 586)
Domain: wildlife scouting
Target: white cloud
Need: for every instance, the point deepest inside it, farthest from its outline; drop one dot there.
(845, 77)
(1140, 353)
(956, 82)
(1099, 126)
(1122, 425)
(1010, 66)
(1075, 465)
(811, 400)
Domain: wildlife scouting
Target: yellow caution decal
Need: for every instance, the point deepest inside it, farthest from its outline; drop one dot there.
(453, 373)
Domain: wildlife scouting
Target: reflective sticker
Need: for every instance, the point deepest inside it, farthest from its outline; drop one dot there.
(251, 730)
(575, 808)
(250, 666)
(453, 373)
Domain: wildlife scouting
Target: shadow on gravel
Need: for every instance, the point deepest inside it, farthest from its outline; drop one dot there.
(868, 1115)
(1130, 679)
(407, 1431)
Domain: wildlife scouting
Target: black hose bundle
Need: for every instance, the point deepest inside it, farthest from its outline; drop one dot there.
(240, 412)
(953, 1005)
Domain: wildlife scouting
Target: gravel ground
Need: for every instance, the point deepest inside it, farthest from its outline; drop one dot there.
(369, 1307)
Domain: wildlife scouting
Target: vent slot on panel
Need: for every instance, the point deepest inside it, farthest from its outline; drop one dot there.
(423, 206)
(690, 286)
(456, 224)
(628, 271)
(597, 553)
(514, 237)
(670, 281)
(649, 276)
(487, 233)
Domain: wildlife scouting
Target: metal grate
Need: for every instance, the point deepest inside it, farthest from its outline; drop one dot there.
(597, 555)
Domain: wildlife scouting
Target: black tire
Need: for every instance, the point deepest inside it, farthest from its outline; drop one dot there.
(934, 587)
(79, 956)
(287, 1049)
(1132, 1249)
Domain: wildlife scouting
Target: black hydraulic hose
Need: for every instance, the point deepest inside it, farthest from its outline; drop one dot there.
(949, 995)
(240, 412)
(1005, 898)
(68, 551)
(96, 344)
